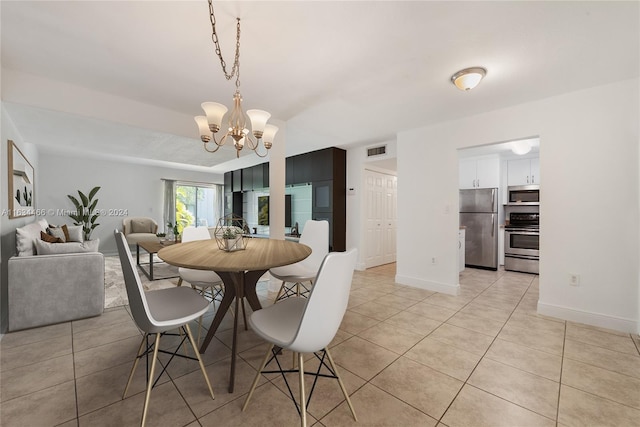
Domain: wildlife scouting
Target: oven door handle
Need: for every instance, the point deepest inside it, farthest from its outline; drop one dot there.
(528, 233)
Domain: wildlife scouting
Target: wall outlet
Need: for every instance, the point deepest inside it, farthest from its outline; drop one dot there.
(433, 260)
(574, 279)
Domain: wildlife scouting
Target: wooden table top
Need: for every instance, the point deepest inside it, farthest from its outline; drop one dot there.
(260, 254)
(153, 247)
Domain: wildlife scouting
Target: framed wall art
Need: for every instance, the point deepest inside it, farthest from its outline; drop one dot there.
(21, 183)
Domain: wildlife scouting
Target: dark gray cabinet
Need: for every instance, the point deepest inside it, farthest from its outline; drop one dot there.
(228, 178)
(236, 182)
(260, 175)
(247, 179)
(326, 170)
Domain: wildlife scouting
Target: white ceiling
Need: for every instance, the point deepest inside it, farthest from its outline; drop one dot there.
(125, 78)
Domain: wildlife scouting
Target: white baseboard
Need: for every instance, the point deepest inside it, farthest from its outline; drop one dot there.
(444, 288)
(588, 318)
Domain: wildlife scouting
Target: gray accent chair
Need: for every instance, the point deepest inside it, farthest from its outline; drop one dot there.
(139, 229)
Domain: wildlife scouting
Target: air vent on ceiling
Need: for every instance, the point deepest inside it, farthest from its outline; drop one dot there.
(376, 151)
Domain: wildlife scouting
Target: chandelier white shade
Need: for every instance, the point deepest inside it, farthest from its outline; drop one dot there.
(468, 78)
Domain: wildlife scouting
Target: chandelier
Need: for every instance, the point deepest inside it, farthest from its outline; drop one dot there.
(236, 129)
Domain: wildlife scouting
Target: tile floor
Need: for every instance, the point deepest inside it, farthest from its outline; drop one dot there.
(407, 356)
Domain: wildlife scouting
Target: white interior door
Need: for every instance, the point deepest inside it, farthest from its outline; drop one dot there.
(390, 218)
(381, 214)
(374, 203)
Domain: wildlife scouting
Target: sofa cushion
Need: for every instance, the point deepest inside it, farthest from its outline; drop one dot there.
(45, 248)
(75, 233)
(27, 236)
(72, 233)
(49, 238)
(141, 226)
(61, 233)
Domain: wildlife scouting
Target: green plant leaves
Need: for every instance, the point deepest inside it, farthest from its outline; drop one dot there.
(84, 214)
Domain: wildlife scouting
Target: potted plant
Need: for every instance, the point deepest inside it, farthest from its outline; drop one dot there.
(175, 230)
(85, 214)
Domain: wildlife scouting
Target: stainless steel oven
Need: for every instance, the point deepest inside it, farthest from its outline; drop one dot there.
(522, 242)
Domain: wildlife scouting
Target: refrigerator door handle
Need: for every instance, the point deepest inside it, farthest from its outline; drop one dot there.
(493, 224)
(493, 199)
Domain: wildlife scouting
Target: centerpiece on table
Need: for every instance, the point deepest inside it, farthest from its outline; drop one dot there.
(229, 233)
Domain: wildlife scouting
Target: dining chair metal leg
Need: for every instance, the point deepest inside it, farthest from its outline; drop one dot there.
(147, 395)
(342, 387)
(195, 350)
(303, 404)
(257, 378)
(135, 365)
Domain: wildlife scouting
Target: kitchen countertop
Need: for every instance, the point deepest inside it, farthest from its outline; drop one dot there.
(266, 236)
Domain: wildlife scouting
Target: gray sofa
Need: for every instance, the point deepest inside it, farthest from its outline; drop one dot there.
(53, 288)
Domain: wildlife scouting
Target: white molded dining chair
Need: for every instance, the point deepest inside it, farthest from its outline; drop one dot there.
(201, 280)
(157, 312)
(308, 325)
(315, 234)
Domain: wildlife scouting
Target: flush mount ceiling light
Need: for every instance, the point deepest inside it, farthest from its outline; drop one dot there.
(210, 125)
(468, 78)
(520, 147)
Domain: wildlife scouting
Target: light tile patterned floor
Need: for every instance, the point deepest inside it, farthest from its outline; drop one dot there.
(407, 357)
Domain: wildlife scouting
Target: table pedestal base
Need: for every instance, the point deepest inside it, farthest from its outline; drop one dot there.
(237, 285)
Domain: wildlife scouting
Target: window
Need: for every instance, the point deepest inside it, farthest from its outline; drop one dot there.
(198, 205)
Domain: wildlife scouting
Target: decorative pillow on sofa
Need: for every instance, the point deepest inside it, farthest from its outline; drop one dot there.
(72, 233)
(61, 233)
(49, 238)
(75, 233)
(141, 226)
(45, 248)
(27, 236)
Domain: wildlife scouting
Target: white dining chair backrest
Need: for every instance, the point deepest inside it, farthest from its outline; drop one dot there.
(190, 234)
(137, 302)
(327, 303)
(315, 234)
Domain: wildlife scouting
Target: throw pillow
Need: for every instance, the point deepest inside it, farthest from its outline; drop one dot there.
(27, 235)
(57, 232)
(75, 233)
(63, 228)
(49, 238)
(140, 226)
(45, 248)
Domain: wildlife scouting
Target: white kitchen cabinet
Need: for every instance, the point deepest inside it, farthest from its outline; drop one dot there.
(461, 236)
(523, 171)
(479, 172)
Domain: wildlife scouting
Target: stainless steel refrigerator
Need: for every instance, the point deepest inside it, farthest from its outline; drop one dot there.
(479, 216)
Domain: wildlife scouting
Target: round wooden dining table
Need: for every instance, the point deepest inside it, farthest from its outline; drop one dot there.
(239, 270)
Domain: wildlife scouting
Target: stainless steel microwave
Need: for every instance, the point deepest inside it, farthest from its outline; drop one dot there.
(523, 195)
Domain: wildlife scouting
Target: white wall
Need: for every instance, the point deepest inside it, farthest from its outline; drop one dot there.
(589, 200)
(137, 189)
(8, 226)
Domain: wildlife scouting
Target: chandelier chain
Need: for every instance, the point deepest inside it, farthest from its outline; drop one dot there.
(235, 70)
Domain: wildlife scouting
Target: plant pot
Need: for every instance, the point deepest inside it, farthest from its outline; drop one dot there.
(235, 244)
